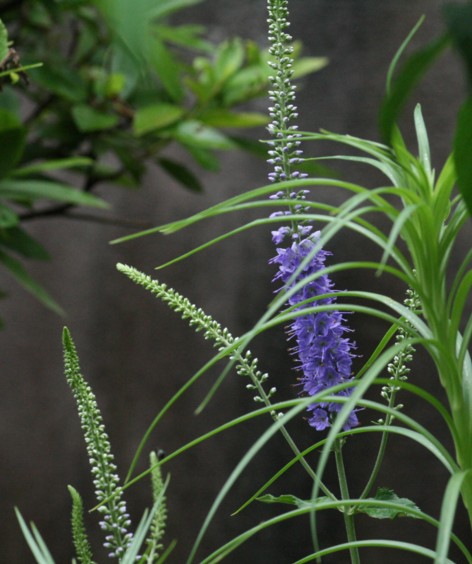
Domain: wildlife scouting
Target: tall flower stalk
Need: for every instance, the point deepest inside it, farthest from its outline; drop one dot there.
(324, 355)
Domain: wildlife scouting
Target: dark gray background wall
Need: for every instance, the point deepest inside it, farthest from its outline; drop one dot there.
(136, 354)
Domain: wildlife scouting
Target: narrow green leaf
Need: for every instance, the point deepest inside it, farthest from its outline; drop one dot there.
(44, 189)
(220, 117)
(182, 174)
(463, 152)
(50, 165)
(168, 70)
(409, 76)
(39, 549)
(19, 241)
(400, 52)
(3, 41)
(458, 19)
(89, 119)
(12, 141)
(385, 494)
(7, 218)
(292, 500)
(16, 269)
(156, 116)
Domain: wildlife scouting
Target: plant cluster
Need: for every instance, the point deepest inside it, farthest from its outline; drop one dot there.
(425, 216)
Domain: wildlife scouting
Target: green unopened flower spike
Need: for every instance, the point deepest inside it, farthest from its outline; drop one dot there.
(79, 536)
(115, 519)
(158, 525)
(245, 365)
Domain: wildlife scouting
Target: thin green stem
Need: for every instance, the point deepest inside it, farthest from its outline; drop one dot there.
(347, 512)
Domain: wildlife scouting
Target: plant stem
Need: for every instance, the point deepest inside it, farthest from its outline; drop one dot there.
(348, 516)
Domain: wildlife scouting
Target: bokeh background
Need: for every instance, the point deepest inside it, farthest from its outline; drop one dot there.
(136, 353)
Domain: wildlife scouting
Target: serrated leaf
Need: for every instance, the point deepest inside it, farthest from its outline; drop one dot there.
(89, 119)
(7, 218)
(12, 141)
(21, 275)
(220, 117)
(156, 116)
(197, 134)
(43, 189)
(463, 152)
(182, 174)
(386, 494)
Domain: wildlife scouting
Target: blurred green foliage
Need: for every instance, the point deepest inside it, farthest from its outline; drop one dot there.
(100, 88)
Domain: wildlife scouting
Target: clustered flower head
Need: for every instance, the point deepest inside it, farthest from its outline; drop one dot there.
(324, 354)
(115, 519)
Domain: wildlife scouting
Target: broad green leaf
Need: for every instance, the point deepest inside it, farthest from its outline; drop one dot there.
(43, 189)
(156, 116)
(182, 174)
(168, 70)
(165, 7)
(19, 241)
(89, 119)
(459, 21)
(220, 117)
(196, 134)
(55, 164)
(463, 152)
(385, 494)
(12, 141)
(3, 41)
(17, 270)
(61, 81)
(7, 218)
(229, 58)
(204, 157)
(408, 77)
(307, 65)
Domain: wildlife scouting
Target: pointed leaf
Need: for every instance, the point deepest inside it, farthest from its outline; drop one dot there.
(7, 218)
(182, 174)
(156, 116)
(19, 241)
(291, 500)
(17, 270)
(415, 67)
(385, 494)
(12, 141)
(89, 119)
(463, 152)
(196, 134)
(3, 41)
(45, 189)
(54, 164)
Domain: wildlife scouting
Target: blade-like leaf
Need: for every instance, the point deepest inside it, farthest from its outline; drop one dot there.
(463, 152)
(409, 76)
(43, 189)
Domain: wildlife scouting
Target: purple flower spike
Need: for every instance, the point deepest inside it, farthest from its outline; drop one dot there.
(324, 354)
